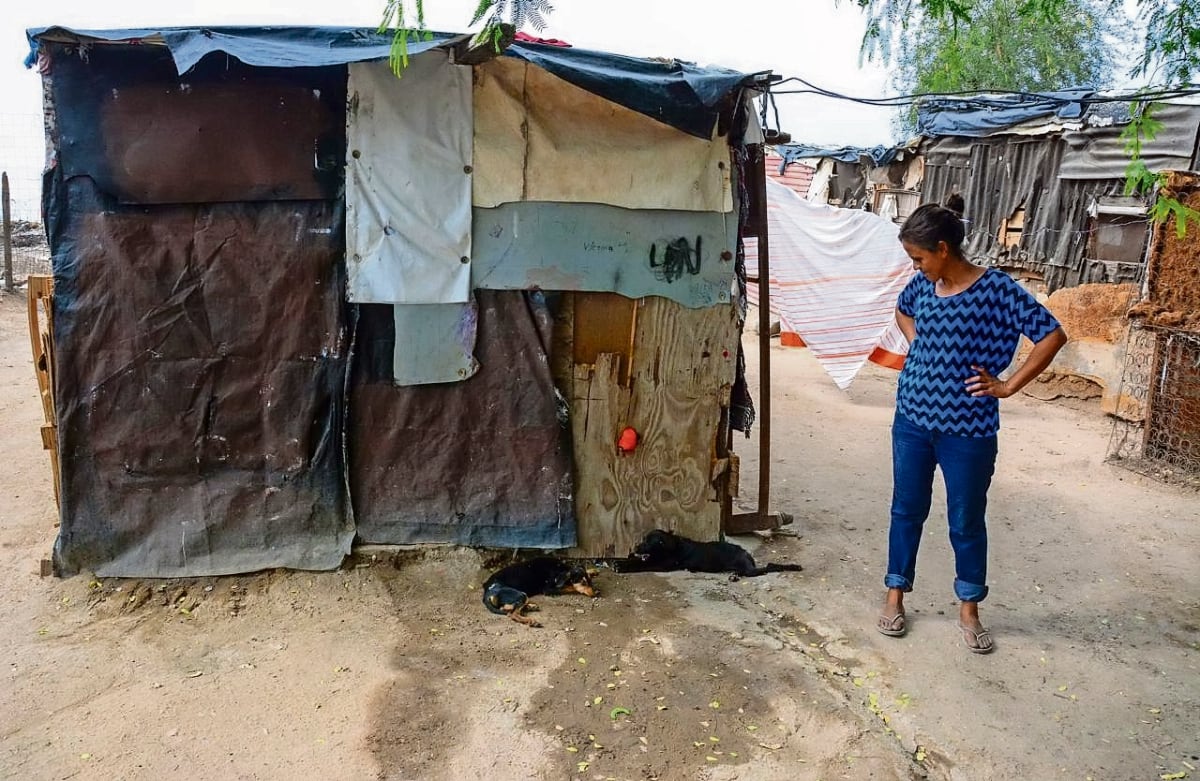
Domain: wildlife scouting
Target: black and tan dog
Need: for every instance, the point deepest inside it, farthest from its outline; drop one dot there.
(663, 551)
(508, 590)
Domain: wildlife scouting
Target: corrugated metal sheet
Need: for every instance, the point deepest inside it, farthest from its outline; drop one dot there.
(1055, 178)
(1099, 152)
(797, 176)
(999, 175)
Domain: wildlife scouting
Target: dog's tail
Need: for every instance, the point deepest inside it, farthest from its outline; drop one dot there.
(496, 596)
(777, 568)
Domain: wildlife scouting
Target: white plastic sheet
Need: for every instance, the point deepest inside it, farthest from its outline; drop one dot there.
(408, 182)
(835, 277)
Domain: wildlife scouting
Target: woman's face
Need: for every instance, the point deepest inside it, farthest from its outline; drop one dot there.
(930, 262)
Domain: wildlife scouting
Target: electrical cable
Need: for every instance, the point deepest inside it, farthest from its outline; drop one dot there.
(988, 98)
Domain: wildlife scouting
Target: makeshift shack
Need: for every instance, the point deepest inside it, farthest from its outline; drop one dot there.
(299, 301)
(878, 179)
(1043, 177)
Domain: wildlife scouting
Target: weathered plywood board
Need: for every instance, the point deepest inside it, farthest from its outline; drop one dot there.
(604, 323)
(682, 369)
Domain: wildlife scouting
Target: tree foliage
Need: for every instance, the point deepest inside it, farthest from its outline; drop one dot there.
(1171, 54)
(407, 23)
(1001, 48)
(1170, 48)
(1170, 57)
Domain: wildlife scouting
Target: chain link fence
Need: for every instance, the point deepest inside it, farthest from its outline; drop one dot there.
(22, 153)
(1156, 430)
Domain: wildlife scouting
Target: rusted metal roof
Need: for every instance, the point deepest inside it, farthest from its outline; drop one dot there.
(797, 176)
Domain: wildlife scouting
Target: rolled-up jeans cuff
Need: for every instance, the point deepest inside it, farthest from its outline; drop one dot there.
(898, 581)
(969, 592)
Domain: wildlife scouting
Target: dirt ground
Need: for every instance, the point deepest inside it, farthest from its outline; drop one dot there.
(390, 668)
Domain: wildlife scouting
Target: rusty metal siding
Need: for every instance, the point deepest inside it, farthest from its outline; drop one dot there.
(796, 176)
(1000, 174)
(222, 133)
(201, 347)
(486, 461)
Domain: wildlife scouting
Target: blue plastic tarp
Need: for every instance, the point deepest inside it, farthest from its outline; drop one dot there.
(981, 115)
(880, 155)
(679, 94)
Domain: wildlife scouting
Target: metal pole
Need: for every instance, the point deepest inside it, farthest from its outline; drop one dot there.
(8, 272)
(761, 518)
(764, 348)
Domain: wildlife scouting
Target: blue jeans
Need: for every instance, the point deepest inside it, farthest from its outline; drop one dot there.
(967, 465)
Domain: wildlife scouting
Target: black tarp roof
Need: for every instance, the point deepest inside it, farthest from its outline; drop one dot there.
(680, 94)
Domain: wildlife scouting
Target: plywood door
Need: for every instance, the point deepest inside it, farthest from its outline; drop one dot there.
(673, 394)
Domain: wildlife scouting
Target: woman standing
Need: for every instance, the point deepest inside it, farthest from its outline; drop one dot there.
(963, 323)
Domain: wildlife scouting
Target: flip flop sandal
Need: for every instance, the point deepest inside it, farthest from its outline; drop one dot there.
(982, 640)
(892, 626)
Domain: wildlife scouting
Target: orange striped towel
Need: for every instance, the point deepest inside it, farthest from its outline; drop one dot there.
(835, 277)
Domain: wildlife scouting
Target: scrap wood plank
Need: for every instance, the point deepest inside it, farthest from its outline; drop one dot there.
(727, 468)
(562, 344)
(40, 290)
(41, 336)
(604, 323)
(682, 366)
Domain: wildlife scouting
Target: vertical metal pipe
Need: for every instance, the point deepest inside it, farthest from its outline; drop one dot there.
(8, 270)
(764, 341)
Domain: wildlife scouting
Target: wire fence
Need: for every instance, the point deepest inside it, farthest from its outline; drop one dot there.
(22, 155)
(1156, 430)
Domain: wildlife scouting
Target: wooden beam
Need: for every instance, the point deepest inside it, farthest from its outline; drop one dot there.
(40, 304)
(742, 523)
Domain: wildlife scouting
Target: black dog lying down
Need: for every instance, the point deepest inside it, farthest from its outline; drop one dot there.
(663, 551)
(508, 590)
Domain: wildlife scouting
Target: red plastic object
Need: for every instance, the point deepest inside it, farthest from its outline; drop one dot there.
(628, 440)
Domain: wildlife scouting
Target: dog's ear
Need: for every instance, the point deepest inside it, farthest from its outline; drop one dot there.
(663, 538)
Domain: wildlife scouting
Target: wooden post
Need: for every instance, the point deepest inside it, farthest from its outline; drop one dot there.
(762, 519)
(8, 272)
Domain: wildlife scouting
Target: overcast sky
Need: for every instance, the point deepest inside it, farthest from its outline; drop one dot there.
(810, 38)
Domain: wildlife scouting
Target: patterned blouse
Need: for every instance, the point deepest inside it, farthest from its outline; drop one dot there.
(980, 326)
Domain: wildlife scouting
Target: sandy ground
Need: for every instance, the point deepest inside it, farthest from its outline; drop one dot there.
(390, 668)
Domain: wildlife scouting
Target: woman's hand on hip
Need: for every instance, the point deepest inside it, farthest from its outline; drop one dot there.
(984, 383)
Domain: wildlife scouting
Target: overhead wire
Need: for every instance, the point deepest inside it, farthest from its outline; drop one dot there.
(986, 98)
